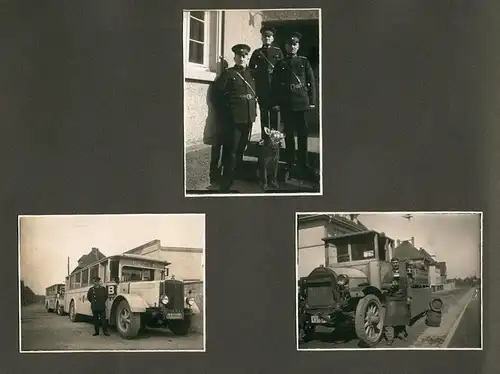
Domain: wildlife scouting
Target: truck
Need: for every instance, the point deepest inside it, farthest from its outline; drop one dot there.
(363, 289)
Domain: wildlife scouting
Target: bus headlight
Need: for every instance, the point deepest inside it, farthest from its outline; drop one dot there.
(342, 280)
(164, 300)
(189, 301)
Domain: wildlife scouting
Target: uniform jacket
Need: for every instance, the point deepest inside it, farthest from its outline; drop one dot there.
(260, 66)
(234, 97)
(288, 92)
(97, 297)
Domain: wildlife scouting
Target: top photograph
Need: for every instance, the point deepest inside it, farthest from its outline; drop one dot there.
(252, 102)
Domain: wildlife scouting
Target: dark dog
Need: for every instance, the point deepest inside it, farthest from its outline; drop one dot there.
(269, 156)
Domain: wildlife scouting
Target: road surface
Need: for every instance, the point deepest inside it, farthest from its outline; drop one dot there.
(468, 332)
(325, 338)
(45, 331)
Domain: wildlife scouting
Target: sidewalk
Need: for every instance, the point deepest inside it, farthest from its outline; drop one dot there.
(434, 337)
(198, 164)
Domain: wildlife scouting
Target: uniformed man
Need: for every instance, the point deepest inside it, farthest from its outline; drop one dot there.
(294, 90)
(262, 65)
(220, 118)
(97, 296)
(401, 289)
(236, 89)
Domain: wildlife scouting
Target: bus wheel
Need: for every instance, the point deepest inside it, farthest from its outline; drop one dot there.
(369, 320)
(127, 323)
(72, 312)
(180, 327)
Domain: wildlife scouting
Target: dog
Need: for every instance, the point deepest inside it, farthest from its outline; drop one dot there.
(269, 156)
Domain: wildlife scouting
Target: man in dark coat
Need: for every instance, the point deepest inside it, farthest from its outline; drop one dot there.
(262, 65)
(97, 296)
(294, 91)
(236, 91)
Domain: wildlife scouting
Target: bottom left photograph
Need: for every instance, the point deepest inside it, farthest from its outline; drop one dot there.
(111, 283)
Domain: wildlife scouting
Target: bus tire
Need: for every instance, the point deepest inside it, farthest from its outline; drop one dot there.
(180, 327)
(73, 316)
(128, 323)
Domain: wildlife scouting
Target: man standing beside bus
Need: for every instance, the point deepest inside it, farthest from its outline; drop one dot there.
(97, 296)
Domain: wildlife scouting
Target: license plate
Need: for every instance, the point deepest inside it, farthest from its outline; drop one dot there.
(174, 316)
(316, 319)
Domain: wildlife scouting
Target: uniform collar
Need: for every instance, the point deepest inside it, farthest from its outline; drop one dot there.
(239, 67)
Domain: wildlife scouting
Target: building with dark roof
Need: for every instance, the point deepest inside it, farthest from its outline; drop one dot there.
(312, 228)
(93, 256)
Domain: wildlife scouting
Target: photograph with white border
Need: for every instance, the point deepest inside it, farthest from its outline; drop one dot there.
(111, 283)
(252, 102)
(389, 281)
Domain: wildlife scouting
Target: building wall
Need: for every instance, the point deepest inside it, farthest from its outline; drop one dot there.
(311, 249)
(198, 116)
(184, 265)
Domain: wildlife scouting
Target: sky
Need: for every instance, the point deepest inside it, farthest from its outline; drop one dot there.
(454, 238)
(46, 242)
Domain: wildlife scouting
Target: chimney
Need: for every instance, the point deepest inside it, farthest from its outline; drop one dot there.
(413, 241)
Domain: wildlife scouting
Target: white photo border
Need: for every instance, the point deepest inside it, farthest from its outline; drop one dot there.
(113, 350)
(320, 111)
(297, 214)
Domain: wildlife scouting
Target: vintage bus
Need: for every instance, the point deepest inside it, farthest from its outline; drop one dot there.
(54, 298)
(140, 295)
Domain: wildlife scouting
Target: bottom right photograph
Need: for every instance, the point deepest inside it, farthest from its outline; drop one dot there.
(389, 280)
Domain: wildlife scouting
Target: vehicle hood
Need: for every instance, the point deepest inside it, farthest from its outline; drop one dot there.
(356, 276)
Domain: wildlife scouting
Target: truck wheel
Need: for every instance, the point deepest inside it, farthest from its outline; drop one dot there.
(73, 316)
(369, 320)
(127, 323)
(180, 327)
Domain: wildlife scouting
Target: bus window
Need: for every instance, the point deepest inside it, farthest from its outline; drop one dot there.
(133, 274)
(94, 272)
(105, 272)
(85, 278)
(113, 271)
(72, 282)
(78, 277)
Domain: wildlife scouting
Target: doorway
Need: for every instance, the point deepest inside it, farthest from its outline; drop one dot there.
(309, 47)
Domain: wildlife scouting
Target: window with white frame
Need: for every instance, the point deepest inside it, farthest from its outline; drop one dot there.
(202, 41)
(198, 22)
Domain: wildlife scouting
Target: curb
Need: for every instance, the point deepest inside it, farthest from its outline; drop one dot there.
(438, 336)
(454, 327)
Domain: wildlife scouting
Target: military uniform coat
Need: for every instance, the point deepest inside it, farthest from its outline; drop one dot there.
(235, 97)
(97, 297)
(260, 65)
(293, 84)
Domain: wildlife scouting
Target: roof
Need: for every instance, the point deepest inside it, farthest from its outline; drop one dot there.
(336, 218)
(93, 256)
(407, 251)
(141, 247)
(140, 257)
(352, 234)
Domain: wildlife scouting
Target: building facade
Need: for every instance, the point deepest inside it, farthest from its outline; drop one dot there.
(311, 229)
(208, 38)
(187, 264)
